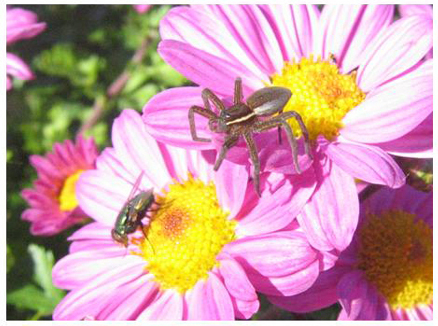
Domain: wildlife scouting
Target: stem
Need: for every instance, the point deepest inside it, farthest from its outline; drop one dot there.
(117, 85)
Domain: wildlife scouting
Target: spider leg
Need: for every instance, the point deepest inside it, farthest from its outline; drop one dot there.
(205, 113)
(238, 90)
(209, 95)
(278, 121)
(255, 160)
(229, 142)
(292, 114)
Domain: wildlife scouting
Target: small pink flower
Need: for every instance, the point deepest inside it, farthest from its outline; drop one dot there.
(386, 272)
(52, 200)
(358, 80)
(20, 24)
(141, 9)
(210, 243)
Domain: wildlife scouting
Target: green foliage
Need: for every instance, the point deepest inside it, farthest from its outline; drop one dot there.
(40, 296)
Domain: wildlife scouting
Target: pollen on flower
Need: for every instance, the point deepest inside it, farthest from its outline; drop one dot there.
(67, 196)
(185, 235)
(395, 252)
(320, 94)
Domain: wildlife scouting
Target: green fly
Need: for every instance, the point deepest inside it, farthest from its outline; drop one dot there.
(132, 213)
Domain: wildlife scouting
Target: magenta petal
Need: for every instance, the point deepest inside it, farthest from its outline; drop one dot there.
(396, 50)
(281, 201)
(418, 143)
(346, 31)
(206, 69)
(169, 106)
(321, 294)
(367, 163)
(352, 290)
(209, 300)
(330, 226)
(392, 110)
(17, 67)
(295, 27)
(168, 306)
(275, 254)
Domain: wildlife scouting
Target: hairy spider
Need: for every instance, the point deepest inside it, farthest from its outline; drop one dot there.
(243, 119)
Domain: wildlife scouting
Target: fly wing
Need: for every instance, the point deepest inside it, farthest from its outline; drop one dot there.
(135, 187)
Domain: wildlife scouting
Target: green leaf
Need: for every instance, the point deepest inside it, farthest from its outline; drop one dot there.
(10, 259)
(32, 298)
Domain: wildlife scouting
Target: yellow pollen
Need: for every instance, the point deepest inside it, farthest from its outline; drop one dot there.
(320, 94)
(185, 235)
(395, 252)
(67, 197)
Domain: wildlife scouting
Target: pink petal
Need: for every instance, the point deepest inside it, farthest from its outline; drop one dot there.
(250, 28)
(275, 254)
(209, 300)
(346, 31)
(201, 29)
(138, 150)
(281, 201)
(400, 47)
(409, 10)
(332, 225)
(161, 112)
(295, 27)
(367, 163)
(21, 24)
(418, 143)
(392, 110)
(101, 195)
(141, 9)
(17, 67)
(95, 295)
(75, 269)
(168, 306)
(206, 69)
(235, 279)
(321, 294)
(231, 181)
(288, 285)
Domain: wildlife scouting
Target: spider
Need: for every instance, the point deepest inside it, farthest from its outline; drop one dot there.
(244, 119)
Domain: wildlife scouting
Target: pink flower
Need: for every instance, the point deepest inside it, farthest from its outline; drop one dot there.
(20, 24)
(386, 272)
(52, 200)
(210, 242)
(141, 9)
(357, 79)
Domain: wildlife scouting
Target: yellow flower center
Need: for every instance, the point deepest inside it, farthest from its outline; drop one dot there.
(320, 94)
(185, 235)
(395, 251)
(67, 197)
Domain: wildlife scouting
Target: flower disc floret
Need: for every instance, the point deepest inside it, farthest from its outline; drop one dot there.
(395, 251)
(186, 234)
(320, 94)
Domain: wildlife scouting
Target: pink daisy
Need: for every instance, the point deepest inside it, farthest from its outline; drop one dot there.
(141, 9)
(209, 241)
(357, 79)
(387, 271)
(52, 200)
(20, 24)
